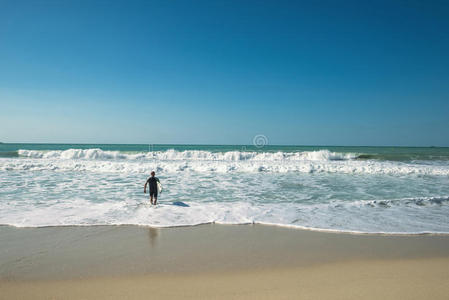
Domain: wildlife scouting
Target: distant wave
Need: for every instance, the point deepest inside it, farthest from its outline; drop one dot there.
(320, 155)
(171, 161)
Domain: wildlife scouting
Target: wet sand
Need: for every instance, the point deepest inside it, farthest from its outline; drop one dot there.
(218, 262)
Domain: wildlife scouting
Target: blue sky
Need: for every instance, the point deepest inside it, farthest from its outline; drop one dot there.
(220, 72)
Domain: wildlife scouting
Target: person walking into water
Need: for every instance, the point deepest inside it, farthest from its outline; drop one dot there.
(152, 182)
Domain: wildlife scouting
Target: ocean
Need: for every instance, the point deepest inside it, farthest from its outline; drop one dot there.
(400, 190)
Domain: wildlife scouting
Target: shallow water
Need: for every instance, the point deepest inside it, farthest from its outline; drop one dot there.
(359, 189)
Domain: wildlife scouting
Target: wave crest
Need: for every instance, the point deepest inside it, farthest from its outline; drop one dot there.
(319, 155)
(322, 161)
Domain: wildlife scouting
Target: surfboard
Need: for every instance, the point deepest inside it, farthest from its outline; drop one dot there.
(159, 187)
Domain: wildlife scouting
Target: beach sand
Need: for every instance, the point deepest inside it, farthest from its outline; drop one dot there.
(219, 262)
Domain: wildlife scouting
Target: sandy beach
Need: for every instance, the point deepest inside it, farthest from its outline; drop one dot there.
(219, 262)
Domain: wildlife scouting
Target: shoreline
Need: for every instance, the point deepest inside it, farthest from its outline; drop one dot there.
(287, 226)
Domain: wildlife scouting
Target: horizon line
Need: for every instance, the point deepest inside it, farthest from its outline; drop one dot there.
(204, 144)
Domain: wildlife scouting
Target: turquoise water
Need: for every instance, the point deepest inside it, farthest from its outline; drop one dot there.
(356, 189)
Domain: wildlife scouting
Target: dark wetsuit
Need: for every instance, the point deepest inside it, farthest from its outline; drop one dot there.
(152, 182)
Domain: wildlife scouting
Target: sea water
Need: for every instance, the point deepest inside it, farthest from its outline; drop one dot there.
(351, 189)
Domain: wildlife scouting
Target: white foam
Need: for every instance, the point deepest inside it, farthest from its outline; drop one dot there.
(362, 217)
(220, 166)
(322, 161)
(191, 155)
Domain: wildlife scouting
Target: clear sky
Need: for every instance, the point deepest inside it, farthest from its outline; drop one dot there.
(220, 72)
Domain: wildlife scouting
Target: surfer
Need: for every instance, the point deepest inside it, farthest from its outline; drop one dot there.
(152, 182)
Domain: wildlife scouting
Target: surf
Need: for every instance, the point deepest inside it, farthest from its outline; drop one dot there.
(335, 189)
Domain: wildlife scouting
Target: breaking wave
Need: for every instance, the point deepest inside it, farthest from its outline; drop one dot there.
(322, 161)
(320, 155)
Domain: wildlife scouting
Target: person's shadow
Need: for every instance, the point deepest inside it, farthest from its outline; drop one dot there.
(180, 203)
